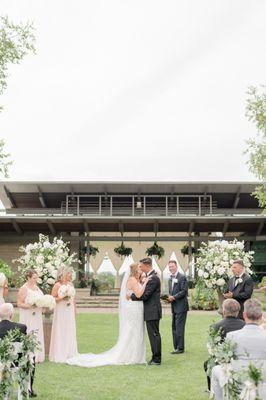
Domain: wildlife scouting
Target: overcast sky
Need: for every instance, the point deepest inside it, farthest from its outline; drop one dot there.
(134, 89)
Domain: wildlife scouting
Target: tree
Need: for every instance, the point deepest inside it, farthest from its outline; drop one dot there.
(16, 41)
(256, 112)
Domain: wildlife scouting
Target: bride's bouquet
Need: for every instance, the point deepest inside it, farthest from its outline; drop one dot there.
(66, 292)
(46, 301)
(33, 299)
(2, 279)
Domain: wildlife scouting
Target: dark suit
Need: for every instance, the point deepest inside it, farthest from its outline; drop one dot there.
(228, 324)
(152, 314)
(242, 291)
(6, 326)
(179, 308)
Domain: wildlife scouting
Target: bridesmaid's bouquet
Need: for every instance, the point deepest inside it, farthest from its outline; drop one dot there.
(33, 299)
(46, 301)
(2, 279)
(66, 292)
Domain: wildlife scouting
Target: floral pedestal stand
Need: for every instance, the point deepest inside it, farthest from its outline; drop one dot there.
(47, 329)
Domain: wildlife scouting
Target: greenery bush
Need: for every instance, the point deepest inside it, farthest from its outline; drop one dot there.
(203, 298)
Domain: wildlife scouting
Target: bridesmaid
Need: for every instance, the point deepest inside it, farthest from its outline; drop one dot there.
(63, 338)
(3, 292)
(31, 316)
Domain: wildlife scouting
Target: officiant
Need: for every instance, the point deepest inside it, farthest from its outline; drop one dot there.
(178, 291)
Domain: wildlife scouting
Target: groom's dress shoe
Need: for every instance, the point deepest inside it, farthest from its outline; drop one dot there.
(32, 394)
(153, 363)
(177, 352)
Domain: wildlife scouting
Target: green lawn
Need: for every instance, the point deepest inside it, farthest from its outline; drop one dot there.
(180, 377)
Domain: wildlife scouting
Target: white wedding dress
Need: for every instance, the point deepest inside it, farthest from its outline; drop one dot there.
(130, 347)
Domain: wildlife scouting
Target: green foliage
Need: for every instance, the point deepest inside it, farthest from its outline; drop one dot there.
(155, 250)
(5, 163)
(122, 250)
(91, 250)
(16, 41)
(203, 298)
(256, 112)
(22, 358)
(105, 282)
(5, 268)
(185, 249)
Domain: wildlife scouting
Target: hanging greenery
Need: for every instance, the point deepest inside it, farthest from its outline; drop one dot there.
(155, 250)
(122, 250)
(92, 251)
(185, 248)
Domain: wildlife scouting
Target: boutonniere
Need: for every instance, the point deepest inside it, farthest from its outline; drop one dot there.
(240, 280)
(175, 280)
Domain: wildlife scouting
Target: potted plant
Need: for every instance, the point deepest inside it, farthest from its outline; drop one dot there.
(122, 250)
(155, 250)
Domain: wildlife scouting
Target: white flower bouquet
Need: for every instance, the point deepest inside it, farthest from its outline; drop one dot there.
(66, 292)
(45, 258)
(46, 301)
(33, 298)
(215, 261)
(2, 279)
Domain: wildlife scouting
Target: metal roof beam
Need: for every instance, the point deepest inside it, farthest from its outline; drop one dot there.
(260, 227)
(237, 198)
(86, 226)
(10, 197)
(51, 227)
(16, 227)
(191, 227)
(41, 197)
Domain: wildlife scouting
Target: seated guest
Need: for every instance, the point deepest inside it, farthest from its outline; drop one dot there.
(229, 323)
(251, 344)
(6, 325)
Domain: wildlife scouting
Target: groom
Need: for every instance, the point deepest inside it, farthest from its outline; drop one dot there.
(152, 309)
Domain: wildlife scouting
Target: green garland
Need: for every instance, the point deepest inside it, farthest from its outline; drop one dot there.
(16, 366)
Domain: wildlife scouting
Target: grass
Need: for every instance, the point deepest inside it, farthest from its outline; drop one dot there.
(180, 377)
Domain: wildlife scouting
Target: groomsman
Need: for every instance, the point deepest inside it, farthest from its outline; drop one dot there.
(178, 291)
(240, 287)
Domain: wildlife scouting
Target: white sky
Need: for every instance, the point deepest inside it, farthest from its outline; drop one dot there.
(134, 89)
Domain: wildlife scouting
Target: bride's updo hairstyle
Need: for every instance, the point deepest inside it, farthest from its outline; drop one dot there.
(134, 270)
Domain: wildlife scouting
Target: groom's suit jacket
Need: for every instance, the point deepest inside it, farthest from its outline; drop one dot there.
(151, 298)
(180, 291)
(242, 291)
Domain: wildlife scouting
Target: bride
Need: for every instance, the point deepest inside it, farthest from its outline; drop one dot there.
(130, 347)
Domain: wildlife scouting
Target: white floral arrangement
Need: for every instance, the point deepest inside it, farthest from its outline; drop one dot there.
(45, 258)
(33, 298)
(2, 279)
(46, 301)
(66, 291)
(216, 259)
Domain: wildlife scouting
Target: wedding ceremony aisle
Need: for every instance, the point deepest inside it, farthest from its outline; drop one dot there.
(180, 376)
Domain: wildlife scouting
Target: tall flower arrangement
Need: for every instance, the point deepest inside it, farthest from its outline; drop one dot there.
(215, 259)
(45, 258)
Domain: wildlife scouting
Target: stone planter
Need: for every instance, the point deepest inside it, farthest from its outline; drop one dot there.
(221, 300)
(47, 329)
(12, 296)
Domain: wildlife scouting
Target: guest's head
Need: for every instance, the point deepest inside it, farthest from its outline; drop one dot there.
(31, 276)
(135, 270)
(145, 264)
(64, 274)
(231, 308)
(238, 267)
(252, 311)
(6, 311)
(172, 265)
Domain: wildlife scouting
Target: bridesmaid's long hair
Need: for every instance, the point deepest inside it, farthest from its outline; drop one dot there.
(61, 273)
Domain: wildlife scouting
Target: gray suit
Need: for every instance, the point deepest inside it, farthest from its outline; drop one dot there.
(251, 347)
